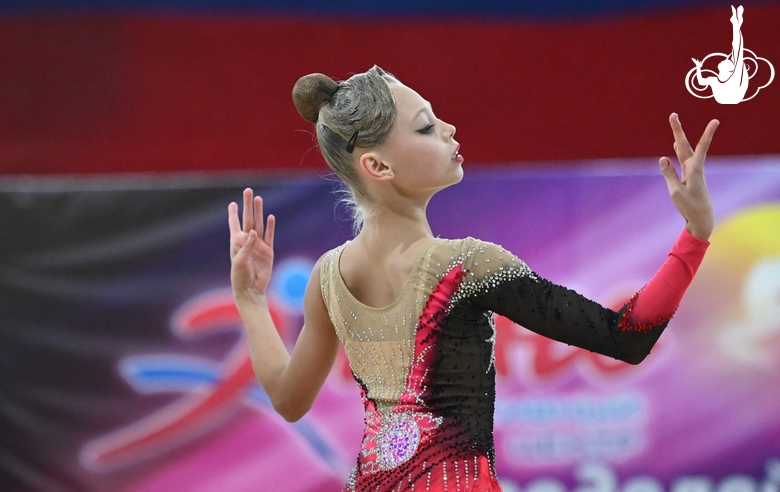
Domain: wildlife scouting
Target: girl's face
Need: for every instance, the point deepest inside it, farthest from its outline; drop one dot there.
(420, 149)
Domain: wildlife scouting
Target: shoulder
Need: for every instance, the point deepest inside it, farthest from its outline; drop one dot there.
(472, 247)
(318, 295)
(484, 258)
(328, 260)
(326, 273)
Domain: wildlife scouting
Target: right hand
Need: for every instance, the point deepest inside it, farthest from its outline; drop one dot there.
(690, 194)
(251, 252)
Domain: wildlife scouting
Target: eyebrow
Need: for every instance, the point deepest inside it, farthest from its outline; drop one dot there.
(428, 107)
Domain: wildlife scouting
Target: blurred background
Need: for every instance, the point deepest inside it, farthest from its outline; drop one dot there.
(127, 127)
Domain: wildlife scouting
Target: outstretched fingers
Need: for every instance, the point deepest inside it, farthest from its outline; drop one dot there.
(258, 211)
(681, 145)
(269, 231)
(264, 231)
(689, 194)
(695, 166)
(253, 218)
(670, 175)
(706, 138)
(233, 223)
(249, 220)
(690, 161)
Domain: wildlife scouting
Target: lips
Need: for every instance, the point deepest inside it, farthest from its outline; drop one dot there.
(456, 154)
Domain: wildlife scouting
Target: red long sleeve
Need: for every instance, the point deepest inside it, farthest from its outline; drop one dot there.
(499, 282)
(659, 299)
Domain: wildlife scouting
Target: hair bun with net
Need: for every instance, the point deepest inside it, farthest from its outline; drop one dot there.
(311, 92)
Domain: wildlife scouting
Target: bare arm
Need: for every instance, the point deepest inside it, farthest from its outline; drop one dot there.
(292, 383)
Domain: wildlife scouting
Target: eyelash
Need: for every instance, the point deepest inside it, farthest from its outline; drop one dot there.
(426, 130)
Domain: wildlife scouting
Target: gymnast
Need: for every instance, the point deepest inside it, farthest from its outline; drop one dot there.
(413, 311)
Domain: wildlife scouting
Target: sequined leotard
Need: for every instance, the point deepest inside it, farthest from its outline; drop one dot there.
(424, 364)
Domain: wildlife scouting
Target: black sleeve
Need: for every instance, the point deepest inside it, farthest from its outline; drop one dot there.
(564, 315)
(498, 281)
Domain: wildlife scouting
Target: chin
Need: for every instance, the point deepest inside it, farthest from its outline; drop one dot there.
(456, 179)
(459, 175)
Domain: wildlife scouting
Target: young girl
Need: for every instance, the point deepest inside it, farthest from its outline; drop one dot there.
(415, 312)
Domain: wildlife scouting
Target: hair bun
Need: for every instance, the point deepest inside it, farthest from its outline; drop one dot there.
(311, 92)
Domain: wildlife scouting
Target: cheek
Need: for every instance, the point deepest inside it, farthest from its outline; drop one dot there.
(421, 151)
(420, 160)
(414, 156)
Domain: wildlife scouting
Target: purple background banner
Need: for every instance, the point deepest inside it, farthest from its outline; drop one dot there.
(123, 364)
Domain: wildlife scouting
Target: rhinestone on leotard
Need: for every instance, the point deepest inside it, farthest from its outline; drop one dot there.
(399, 440)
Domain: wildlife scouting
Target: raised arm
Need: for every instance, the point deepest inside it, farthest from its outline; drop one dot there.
(291, 382)
(503, 284)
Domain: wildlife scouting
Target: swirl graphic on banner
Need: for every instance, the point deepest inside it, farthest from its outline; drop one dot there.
(209, 388)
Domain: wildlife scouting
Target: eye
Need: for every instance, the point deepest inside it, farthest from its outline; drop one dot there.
(426, 129)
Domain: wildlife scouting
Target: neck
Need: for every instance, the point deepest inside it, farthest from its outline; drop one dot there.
(399, 225)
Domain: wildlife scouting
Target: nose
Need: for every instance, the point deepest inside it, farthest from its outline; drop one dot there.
(450, 133)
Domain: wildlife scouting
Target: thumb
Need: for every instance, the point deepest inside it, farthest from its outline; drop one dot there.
(670, 174)
(246, 248)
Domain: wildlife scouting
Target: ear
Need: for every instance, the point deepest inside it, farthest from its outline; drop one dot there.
(374, 166)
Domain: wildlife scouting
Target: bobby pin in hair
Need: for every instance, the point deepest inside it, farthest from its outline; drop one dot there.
(352, 142)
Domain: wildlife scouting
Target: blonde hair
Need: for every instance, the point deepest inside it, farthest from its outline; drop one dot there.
(358, 112)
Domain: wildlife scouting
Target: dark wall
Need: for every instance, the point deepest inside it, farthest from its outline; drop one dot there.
(84, 91)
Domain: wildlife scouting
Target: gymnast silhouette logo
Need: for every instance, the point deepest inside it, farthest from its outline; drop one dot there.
(730, 84)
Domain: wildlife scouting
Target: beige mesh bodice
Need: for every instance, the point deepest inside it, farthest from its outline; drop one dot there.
(379, 342)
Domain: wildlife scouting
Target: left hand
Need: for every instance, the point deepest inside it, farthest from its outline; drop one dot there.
(690, 194)
(251, 248)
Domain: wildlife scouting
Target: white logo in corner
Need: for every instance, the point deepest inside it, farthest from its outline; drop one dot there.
(730, 84)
